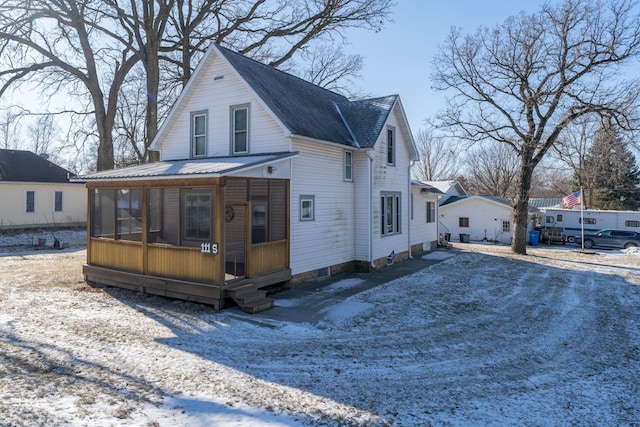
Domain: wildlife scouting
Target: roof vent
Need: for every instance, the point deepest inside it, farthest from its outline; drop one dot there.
(218, 78)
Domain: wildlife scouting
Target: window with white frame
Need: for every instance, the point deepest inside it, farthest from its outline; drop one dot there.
(199, 134)
(391, 146)
(307, 208)
(30, 201)
(463, 222)
(240, 129)
(390, 217)
(57, 201)
(431, 211)
(348, 166)
(506, 226)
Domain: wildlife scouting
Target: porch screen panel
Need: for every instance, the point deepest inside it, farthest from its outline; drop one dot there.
(129, 211)
(197, 217)
(278, 210)
(259, 215)
(164, 215)
(236, 191)
(103, 213)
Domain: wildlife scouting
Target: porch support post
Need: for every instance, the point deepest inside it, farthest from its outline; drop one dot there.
(145, 228)
(220, 229)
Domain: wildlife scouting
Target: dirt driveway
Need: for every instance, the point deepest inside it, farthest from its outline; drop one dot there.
(482, 337)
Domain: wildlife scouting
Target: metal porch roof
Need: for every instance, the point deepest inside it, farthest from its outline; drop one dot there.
(210, 167)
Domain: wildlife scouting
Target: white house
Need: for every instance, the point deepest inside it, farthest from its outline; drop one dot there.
(477, 218)
(449, 188)
(38, 193)
(263, 178)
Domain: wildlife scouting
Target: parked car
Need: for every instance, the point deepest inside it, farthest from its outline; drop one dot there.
(611, 239)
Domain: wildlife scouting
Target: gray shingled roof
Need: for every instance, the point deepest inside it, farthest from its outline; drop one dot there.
(497, 199)
(311, 111)
(211, 166)
(25, 166)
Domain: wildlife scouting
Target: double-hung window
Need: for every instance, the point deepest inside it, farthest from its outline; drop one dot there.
(391, 146)
(240, 129)
(390, 217)
(57, 201)
(199, 134)
(431, 212)
(30, 201)
(348, 166)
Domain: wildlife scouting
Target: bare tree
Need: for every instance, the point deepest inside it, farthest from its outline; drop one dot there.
(524, 81)
(439, 157)
(9, 130)
(493, 170)
(331, 68)
(43, 135)
(61, 45)
(89, 47)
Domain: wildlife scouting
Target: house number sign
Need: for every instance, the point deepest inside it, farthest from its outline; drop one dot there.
(209, 248)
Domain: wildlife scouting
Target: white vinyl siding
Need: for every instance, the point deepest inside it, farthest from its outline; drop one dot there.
(217, 97)
(487, 219)
(329, 239)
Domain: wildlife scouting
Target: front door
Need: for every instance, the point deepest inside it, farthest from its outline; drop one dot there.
(236, 238)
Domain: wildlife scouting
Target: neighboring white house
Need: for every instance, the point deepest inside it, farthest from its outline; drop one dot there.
(477, 218)
(293, 167)
(37, 193)
(449, 188)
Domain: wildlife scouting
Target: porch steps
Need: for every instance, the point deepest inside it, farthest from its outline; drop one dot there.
(250, 298)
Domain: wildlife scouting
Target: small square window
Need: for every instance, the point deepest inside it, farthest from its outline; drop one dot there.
(307, 208)
(463, 222)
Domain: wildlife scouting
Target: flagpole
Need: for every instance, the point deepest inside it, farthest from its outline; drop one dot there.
(582, 218)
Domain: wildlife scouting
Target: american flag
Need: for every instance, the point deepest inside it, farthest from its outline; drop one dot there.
(572, 199)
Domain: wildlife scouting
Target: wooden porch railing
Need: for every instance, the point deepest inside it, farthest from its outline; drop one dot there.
(184, 263)
(269, 256)
(118, 254)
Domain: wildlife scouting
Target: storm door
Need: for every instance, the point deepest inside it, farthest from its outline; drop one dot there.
(236, 241)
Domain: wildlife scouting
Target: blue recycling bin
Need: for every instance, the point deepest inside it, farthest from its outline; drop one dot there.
(534, 237)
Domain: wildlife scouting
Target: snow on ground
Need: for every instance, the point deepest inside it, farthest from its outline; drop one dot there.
(482, 337)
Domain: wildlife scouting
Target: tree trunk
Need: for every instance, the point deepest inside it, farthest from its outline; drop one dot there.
(521, 208)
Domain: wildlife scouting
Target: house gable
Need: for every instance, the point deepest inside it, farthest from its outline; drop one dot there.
(25, 166)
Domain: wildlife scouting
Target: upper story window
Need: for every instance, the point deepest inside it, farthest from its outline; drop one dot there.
(199, 134)
(348, 166)
(240, 129)
(391, 146)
